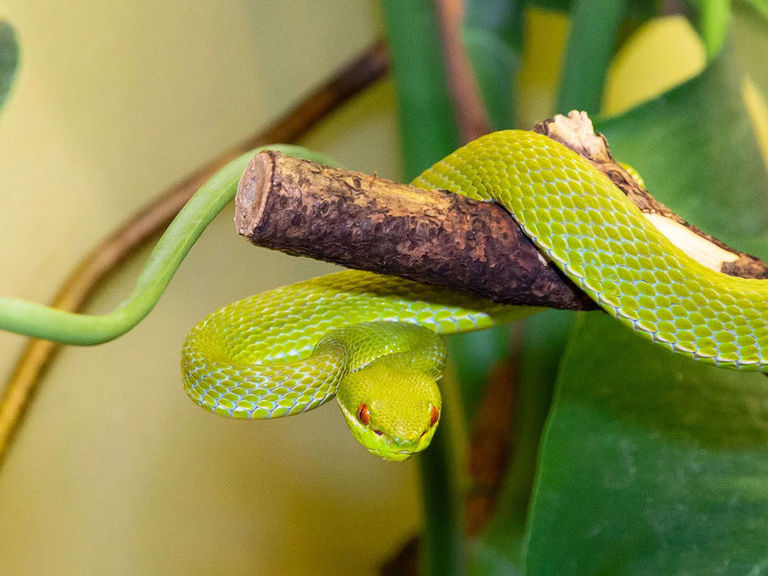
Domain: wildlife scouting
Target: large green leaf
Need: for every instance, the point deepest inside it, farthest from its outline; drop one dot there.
(9, 59)
(652, 464)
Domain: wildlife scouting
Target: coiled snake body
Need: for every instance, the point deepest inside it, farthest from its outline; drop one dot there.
(373, 340)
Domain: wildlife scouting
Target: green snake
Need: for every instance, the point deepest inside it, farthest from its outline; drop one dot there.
(373, 341)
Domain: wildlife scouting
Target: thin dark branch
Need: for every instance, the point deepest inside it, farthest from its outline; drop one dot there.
(469, 108)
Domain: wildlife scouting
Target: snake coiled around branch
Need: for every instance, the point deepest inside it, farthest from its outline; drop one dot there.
(373, 341)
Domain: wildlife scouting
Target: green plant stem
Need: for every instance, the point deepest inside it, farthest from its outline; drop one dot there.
(428, 133)
(442, 542)
(594, 27)
(40, 321)
(427, 126)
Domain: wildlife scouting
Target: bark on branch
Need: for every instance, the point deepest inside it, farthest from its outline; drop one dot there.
(362, 221)
(436, 237)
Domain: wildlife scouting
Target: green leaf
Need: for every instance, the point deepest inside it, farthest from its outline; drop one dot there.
(653, 464)
(714, 19)
(428, 129)
(9, 59)
(492, 32)
(591, 45)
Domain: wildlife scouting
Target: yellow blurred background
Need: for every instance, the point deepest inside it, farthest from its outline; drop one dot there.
(115, 471)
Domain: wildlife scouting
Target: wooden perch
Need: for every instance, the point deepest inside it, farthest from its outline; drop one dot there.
(436, 237)
(431, 236)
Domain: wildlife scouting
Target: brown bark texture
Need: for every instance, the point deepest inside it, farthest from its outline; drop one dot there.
(431, 236)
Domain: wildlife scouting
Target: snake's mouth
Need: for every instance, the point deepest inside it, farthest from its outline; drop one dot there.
(399, 450)
(392, 455)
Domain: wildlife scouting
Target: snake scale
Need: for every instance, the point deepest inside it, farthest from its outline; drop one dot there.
(373, 341)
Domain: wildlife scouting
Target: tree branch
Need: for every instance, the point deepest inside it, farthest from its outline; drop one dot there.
(436, 237)
(431, 236)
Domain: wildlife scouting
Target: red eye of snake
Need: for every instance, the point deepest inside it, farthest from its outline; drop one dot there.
(434, 415)
(363, 414)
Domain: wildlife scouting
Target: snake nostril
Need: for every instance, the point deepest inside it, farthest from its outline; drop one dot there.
(378, 432)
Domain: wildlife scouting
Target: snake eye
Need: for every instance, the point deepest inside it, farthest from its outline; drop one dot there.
(363, 414)
(434, 415)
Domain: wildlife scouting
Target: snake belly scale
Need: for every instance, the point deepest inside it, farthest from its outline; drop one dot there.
(372, 340)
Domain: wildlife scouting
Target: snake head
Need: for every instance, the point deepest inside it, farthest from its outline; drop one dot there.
(392, 411)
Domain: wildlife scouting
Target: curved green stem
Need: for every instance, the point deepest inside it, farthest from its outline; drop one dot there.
(41, 321)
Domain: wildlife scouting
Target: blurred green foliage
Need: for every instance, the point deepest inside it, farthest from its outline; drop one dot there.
(648, 463)
(9, 59)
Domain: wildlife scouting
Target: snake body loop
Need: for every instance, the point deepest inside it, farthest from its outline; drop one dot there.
(270, 355)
